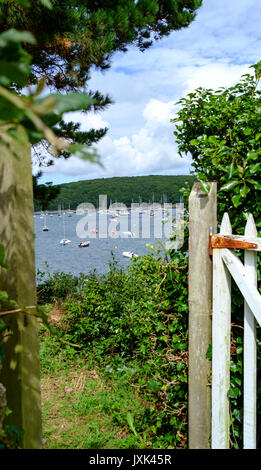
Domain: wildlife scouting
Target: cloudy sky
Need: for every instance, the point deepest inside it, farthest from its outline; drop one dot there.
(215, 50)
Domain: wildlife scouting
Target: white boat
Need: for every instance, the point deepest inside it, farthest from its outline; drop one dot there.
(84, 244)
(45, 228)
(64, 241)
(129, 254)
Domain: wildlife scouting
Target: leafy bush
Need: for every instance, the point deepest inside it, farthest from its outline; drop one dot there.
(58, 286)
(134, 324)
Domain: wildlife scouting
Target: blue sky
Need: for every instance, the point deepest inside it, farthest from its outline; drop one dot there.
(215, 50)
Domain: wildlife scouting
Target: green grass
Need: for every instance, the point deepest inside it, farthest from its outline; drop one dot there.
(83, 410)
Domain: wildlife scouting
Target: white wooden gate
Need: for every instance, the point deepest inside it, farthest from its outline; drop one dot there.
(226, 263)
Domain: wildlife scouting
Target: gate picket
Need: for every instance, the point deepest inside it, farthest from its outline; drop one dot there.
(250, 352)
(221, 325)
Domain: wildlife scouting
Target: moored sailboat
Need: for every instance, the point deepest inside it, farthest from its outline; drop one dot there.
(64, 240)
(45, 228)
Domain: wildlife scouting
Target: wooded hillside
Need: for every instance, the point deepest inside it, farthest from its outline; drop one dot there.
(121, 189)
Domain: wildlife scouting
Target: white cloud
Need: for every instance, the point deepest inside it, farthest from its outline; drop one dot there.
(150, 150)
(88, 121)
(213, 75)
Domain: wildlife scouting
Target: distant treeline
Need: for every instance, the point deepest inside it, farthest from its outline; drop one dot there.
(126, 190)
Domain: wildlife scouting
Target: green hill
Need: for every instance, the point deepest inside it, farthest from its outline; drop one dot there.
(122, 189)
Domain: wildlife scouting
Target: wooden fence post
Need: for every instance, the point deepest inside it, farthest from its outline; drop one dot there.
(202, 216)
(20, 370)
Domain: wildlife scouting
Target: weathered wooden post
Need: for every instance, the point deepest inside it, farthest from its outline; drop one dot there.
(20, 373)
(202, 216)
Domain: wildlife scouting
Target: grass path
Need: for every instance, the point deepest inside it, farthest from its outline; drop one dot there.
(81, 410)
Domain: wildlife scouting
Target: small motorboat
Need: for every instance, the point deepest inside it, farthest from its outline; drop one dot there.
(64, 241)
(83, 244)
(129, 254)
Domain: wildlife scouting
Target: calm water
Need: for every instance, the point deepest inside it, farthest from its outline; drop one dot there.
(72, 259)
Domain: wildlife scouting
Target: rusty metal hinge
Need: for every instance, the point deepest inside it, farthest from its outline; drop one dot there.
(221, 241)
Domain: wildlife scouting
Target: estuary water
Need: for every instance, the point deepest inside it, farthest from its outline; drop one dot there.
(106, 233)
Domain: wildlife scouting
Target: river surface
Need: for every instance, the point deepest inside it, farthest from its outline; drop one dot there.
(112, 236)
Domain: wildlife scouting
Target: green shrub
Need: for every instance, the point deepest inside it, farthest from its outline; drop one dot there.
(57, 286)
(134, 325)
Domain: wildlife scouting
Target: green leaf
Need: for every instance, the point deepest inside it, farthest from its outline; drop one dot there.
(15, 36)
(130, 421)
(209, 352)
(234, 393)
(244, 190)
(212, 140)
(252, 155)
(251, 181)
(194, 142)
(229, 185)
(236, 200)
(46, 3)
(3, 296)
(254, 168)
(231, 170)
(205, 186)
(248, 131)
(72, 102)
